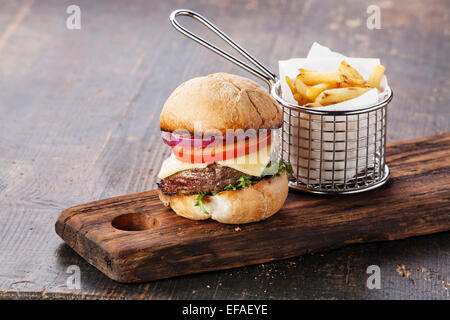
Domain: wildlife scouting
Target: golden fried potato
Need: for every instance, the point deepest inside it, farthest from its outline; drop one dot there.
(289, 83)
(351, 82)
(313, 105)
(376, 75)
(300, 87)
(332, 96)
(317, 88)
(315, 77)
(350, 72)
(314, 91)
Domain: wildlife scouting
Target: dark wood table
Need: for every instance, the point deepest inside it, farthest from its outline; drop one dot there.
(79, 114)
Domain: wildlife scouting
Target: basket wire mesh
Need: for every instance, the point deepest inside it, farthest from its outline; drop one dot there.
(336, 152)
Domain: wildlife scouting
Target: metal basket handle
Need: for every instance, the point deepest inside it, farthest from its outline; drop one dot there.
(262, 71)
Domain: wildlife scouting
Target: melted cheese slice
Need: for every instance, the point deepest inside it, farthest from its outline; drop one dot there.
(252, 164)
(172, 165)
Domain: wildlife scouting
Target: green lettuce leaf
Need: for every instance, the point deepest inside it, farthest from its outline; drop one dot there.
(272, 169)
(199, 203)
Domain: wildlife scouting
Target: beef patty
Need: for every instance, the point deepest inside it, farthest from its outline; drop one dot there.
(212, 178)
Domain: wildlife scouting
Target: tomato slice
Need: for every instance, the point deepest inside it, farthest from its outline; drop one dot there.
(228, 148)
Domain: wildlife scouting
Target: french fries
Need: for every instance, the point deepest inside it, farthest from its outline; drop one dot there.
(332, 96)
(315, 77)
(317, 89)
(352, 82)
(313, 105)
(375, 76)
(289, 82)
(300, 86)
(350, 72)
(313, 91)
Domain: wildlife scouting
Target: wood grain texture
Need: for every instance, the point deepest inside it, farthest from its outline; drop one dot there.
(134, 238)
(79, 122)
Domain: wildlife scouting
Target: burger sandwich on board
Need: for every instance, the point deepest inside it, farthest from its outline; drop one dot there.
(223, 131)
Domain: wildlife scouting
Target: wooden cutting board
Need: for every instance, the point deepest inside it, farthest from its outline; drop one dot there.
(134, 238)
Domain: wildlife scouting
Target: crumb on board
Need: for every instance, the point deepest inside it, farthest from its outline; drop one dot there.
(402, 271)
(238, 229)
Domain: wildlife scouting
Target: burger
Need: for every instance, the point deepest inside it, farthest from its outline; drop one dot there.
(223, 131)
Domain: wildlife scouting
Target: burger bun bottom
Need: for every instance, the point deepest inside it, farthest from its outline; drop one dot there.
(250, 204)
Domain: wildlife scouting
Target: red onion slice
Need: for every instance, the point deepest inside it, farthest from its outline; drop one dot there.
(185, 141)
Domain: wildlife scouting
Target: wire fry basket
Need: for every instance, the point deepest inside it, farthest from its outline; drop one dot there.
(331, 152)
(335, 152)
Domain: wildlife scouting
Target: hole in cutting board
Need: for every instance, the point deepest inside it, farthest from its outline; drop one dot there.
(135, 222)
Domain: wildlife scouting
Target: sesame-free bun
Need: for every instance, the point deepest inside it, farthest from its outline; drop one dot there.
(219, 102)
(250, 204)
